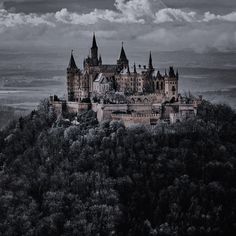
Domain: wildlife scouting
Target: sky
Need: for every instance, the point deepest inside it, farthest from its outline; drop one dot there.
(36, 38)
(168, 25)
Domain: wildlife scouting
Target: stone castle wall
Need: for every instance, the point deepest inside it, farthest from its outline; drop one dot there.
(132, 119)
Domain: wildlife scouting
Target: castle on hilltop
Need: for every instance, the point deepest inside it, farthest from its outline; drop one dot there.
(132, 94)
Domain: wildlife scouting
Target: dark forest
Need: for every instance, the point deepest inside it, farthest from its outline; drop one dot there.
(104, 179)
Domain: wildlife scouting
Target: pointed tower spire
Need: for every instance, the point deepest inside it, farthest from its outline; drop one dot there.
(72, 64)
(94, 44)
(150, 66)
(94, 51)
(122, 62)
(165, 73)
(135, 71)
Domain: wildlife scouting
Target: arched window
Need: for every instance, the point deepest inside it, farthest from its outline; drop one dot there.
(132, 100)
(161, 85)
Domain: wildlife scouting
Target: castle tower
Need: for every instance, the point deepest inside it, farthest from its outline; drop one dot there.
(122, 62)
(150, 66)
(171, 85)
(72, 79)
(94, 52)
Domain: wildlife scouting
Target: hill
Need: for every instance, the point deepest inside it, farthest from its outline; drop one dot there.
(57, 178)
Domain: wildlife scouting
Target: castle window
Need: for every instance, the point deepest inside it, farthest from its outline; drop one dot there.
(161, 85)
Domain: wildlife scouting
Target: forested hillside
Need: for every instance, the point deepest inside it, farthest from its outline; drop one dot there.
(104, 179)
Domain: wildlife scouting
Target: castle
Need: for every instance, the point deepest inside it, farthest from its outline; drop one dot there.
(137, 94)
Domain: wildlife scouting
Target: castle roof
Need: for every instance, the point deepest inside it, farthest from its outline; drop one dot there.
(123, 54)
(72, 64)
(101, 78)
(171, 72)
(157, 75)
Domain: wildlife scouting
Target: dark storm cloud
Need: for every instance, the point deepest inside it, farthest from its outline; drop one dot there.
(145, 22)
(218, 6)
(44, 6)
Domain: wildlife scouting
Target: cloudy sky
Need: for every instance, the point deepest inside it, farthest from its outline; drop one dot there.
(167, 25)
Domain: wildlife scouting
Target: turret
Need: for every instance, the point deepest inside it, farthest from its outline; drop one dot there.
(122, 62)
(100, 60)
(94, 52)
(72, 78)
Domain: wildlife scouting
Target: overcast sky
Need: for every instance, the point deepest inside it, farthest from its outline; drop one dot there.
(199, 25)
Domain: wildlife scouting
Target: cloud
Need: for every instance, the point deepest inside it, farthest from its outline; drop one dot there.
(231, 17)
(8, 19)
(141, 12)
(177, 15)
(126, 12)
(173, 15)
(140, 21)
(133, 11)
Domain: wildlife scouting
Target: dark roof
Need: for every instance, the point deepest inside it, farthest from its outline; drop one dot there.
(171, 72)
(72, 64)
(122, 54)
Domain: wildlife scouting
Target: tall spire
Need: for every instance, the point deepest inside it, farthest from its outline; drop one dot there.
(72, 64)
(94, 45)
(94, 52)
(135, 71)
(150, 66)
